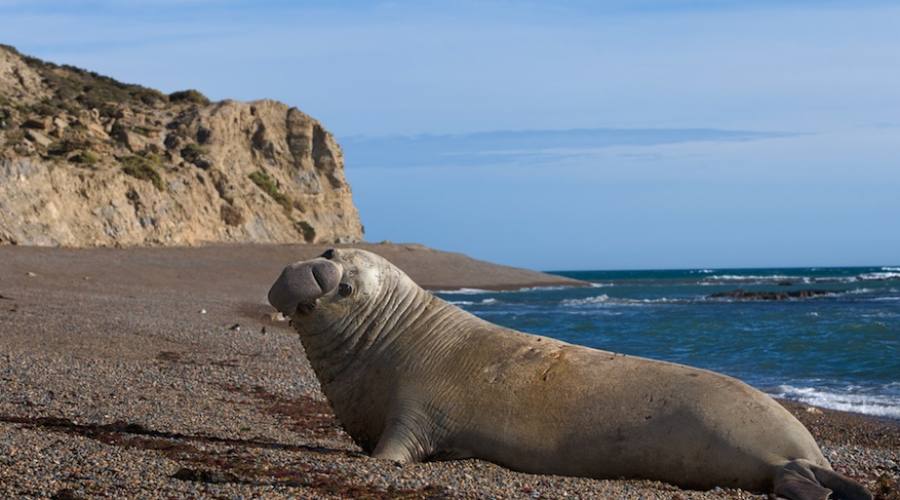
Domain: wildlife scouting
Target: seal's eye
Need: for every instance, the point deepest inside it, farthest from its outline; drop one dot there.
(345, 289)
(329, 254)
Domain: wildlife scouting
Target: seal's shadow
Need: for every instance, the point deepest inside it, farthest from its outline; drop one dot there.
(132, 435)
(238, 463)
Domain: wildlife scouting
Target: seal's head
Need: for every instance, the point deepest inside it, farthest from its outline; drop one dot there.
(338, 284)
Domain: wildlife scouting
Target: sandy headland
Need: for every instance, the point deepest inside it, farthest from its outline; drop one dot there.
(163, 372)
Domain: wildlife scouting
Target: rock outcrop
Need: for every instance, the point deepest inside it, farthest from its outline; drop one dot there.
(88, 161)
(740, 294)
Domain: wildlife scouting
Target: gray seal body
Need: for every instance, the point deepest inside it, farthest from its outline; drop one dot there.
(413, 378)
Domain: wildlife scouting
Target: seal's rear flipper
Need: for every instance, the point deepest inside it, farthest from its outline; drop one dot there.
(802, 480)
(796, 481)
(843, 486)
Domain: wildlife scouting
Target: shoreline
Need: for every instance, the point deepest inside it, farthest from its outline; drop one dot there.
(162, 372)
(432, 269)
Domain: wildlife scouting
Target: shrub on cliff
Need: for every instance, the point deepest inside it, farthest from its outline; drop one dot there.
(265, 182)
(143, 168)
(86, 158)
(189, 95)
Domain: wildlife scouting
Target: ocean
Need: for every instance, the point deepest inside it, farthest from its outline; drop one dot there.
(836, 345)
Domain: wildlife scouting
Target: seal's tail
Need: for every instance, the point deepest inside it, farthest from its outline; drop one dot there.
(802, 480)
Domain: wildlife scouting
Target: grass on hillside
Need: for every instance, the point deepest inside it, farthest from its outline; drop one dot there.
(265, 182)
(143, 168)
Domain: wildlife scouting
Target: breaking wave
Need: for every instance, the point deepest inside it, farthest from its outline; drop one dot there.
(606, 299)
(882, 276)
(473, 302)
(750, 277)
(482, 291)
(464, 291)
(881, 405)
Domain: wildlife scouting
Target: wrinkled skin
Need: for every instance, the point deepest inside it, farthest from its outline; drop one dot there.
(414, 378)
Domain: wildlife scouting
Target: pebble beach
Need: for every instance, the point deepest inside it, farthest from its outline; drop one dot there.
(164, 373)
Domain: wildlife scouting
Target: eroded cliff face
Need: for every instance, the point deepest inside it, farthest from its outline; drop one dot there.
(88, 161)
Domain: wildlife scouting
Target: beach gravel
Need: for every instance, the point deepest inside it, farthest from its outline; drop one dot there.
(113, 383)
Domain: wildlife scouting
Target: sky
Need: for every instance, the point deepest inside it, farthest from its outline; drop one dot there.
(554, 135)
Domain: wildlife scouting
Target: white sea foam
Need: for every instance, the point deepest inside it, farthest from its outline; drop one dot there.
(879, 276)
(465, 291)
(869, 404)
(538, 288)
(601, 285)
(750, 277)
(607, 300)
(478, 291)
(702, 271)
(887, 268)
(472, 302)
(598, 299)
(661, 300)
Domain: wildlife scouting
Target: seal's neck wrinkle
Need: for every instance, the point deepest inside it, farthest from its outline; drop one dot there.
(401, 324)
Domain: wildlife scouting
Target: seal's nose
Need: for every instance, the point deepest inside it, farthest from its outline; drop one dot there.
(303, 283)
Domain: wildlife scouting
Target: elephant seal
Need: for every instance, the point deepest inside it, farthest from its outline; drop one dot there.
(413, 378)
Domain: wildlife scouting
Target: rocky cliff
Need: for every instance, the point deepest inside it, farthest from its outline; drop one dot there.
(88, 161)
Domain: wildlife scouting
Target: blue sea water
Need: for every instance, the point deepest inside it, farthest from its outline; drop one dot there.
(840, 350)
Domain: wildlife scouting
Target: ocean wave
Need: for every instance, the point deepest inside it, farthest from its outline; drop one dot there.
(886, 273)
(539, 288)
(882, 276)
(806, 280)
(702, 271)
(750, 277)
(472, 302)
(482, 291)
(598, 299)
(465, 291)
(606, 299)
(753, 279)
(870, 404)
(597, 284)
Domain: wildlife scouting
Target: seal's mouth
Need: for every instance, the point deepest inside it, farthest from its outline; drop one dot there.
(306, 308)
(301, 284)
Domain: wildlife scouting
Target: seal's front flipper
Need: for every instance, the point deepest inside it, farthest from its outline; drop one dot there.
(803, 480)
(399, 444)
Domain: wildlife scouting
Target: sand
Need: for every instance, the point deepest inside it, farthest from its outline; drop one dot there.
(161, 373)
